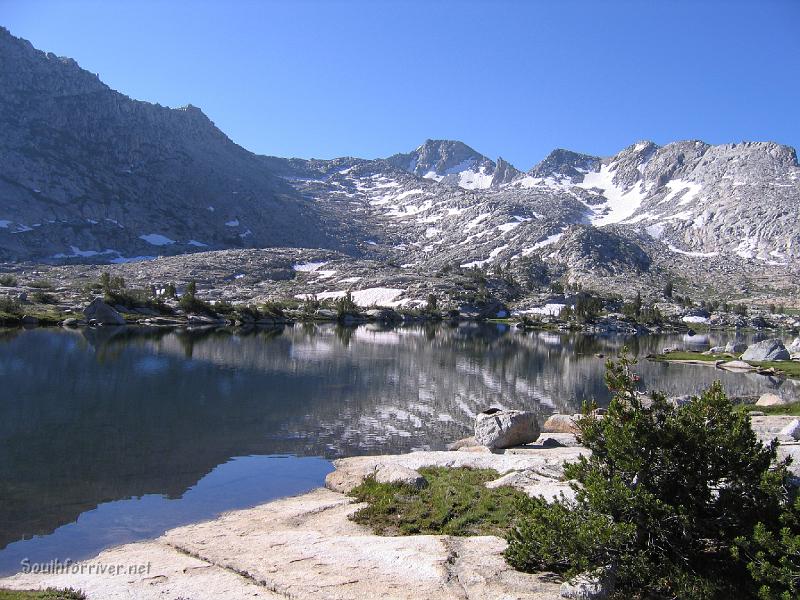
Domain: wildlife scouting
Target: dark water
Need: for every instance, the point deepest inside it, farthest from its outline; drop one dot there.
(112, 436)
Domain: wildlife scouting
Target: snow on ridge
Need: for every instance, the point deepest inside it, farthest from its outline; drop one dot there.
(621, 203)
(680, 186)
(541, 244)
(471, 180)
(695, 254)
(156, 239)
(232, 223)
(309, 266)
(196, 243)
(476, 221)
(77, 252)
(378, 296)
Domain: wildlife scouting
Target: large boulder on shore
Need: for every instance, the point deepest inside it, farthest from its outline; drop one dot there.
(102, 314)
(771, 349)
(497, 428)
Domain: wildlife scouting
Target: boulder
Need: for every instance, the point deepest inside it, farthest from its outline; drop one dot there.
(597, 585)
(496, 428)
(71, 322)
(715, 350)
(326, 314)
(737, 366)
(29, 320)
(101, 313)
(385, 315)
(735, 347)
(771, 349)
(204, 320)
(558, 423)
(791, 431)
(771, 400)
(467, 442)
(392, 473)
(794, 347)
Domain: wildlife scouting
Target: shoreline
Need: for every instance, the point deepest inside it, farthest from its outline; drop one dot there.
(307, 546)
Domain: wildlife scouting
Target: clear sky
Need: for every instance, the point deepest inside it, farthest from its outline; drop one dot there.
(511, 79)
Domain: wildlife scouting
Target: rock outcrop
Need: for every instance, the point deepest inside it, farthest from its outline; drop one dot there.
(100, 313)
(496, 428)
(766, 350)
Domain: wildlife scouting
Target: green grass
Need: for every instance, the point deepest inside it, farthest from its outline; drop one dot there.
(48, 594)
(455, 502)
(790, 368)
(792, 409)
(693, 356)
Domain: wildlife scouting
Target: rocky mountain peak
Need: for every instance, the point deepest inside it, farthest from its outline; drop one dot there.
(440, 158)
(565, 163)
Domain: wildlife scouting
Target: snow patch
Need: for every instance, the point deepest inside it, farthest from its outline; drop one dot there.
(688, 253)
(156, 239)
(621, 203)
(309, 266)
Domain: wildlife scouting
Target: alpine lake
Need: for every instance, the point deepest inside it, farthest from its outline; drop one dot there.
(112, 435)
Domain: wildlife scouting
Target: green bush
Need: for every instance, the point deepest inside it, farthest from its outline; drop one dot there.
(42, 297)
(677, 500)
(345, 306)
(42, 284)
(7, 280)
(10, 305)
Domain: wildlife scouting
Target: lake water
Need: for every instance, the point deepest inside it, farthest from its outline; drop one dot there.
(109, 436)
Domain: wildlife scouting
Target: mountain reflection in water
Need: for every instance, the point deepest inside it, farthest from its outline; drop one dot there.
(94, 417)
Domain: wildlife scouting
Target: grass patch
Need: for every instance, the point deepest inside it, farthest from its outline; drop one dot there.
(693, 356)
(792, 409)
(455, 502)
(790, 368)
(48, 594)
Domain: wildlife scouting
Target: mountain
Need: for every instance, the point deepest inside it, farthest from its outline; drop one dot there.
(89, 175)
(455, 163)
(88, 172)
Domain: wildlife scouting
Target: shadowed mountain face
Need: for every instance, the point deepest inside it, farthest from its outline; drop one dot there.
(124, 414)
(88, 172)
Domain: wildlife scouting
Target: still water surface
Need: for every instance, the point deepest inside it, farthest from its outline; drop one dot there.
(110, 436)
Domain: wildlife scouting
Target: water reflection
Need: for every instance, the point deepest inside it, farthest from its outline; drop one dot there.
(95, 416)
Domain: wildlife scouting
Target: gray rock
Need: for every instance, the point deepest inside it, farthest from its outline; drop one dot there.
(737, 366)
(559, 423)
(771, 400)
(715, 350)
(101, 313)
(393, 473)
(467, 442)
(496, 428)
(792, 430)
(735, 347)
(71, 322)
(766, 350)
(794, 347)
(29, 320)
(325, 313)
(589, 586)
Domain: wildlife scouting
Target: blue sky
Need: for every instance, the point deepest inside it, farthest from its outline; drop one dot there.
(512, 79)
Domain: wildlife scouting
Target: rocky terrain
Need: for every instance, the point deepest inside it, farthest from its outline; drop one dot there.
(91, 176)
(315, 550)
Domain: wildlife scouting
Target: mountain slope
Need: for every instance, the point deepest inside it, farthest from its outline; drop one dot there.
(89, 175)
(87, 171)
